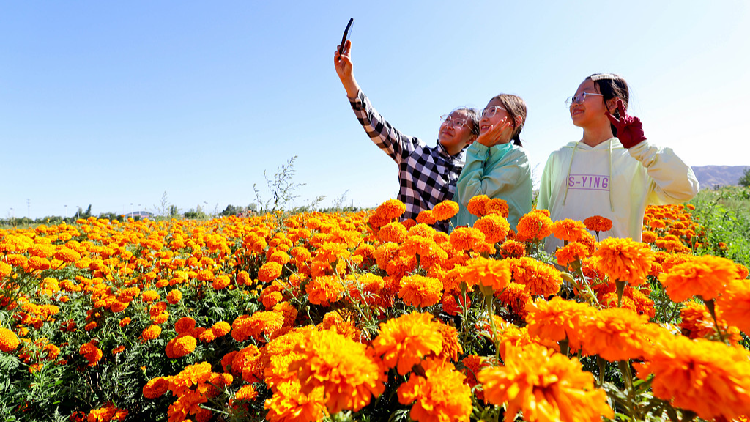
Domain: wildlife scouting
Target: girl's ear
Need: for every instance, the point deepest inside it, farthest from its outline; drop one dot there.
(612, 106)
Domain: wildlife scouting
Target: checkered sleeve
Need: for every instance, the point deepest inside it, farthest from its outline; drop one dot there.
(397, 145)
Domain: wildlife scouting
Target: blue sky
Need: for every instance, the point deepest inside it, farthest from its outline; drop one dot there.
(113, 103)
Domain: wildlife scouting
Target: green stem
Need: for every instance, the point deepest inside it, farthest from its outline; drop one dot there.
(602, 368)
(620, 290)
(712, 310)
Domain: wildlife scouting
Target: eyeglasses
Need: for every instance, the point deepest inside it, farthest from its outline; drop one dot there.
(452, 121)
(491, 111)
(578, 99)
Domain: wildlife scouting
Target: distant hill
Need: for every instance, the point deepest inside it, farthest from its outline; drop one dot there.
(710, 176)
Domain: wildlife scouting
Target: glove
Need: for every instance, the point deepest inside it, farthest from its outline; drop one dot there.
(629, 128)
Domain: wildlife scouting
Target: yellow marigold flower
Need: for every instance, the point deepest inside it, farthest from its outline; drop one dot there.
(8, 340)
(67, 255)
(392, 232)
(91, 353)
(426, 217)
(648, 237)
(349, 375)
(289, 404)
(243, 279)
(405, 340)
(534, 226)
(624, 260)
(598, 223)
(390, 209)
(263, 323)
(617, 334)
(107, 413)
(5, 270)
(546, 386)
(568, 230)
(156, 387)
(174, 296)
(707, 377)
(37, 263)
(420, 291)
(149, 296)
(478, 205)
(445, 210)
(324, 290)
(557, 319)
(180, 346)
(150, 333)
(221, 328)
(735, 305)
(466, 238)
(494, 227)
(269, 271)
(704, 276)
(279, 256)
(539, 278)
(439, 395)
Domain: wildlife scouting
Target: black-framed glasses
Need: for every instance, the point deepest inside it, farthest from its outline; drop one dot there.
(578, 99)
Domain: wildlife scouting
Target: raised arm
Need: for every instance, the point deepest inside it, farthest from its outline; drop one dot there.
(397, 145)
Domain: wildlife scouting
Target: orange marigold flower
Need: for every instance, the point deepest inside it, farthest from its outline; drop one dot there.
(707, 377)
(466, 238)
(624, 260)
(452, 304)
(246, 392)
(570, 253)
(289, 404)
(349, 375)
(516, 297)
(569, 230)
(557, 319)
(735, 305)
(91, 353)
(598, 223)
(546, 386)
(221, 282)
(67, 255)
(118, 349)
(512, 249)
(487, 272)
(392, 232)
(269, 271)
(445, 210)
(150, 333)
(478, 205)
(174, 296)
(184, 325)
(37, 263)
(439, 395)
(494, 227)
(539, 278)
(8, 340)
(390, 209)
(420, 291)
(648, 237)
(405, 340)
(497, 206)
(324, 290)
(617, 334)
(705, 276)
(107, 413)
(426, 217)
(534, 226)
(221, 328)
(264, 323)
(156, 387)
(124, 322)
(180, 346)
(149, 296)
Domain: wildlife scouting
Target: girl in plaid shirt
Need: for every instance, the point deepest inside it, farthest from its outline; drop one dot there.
(427, 175)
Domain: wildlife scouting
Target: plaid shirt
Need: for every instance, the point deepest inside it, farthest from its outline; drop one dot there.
(426, 175)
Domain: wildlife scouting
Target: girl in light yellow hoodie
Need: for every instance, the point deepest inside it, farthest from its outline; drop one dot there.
(612, 171)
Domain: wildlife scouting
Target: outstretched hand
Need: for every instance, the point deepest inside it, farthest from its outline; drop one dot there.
(344, 68)
(629, 128)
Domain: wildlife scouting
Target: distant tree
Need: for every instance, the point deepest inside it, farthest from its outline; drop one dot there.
(197, 213)
(231, 210)
(174, 211)
(108, 215)
(745, 179)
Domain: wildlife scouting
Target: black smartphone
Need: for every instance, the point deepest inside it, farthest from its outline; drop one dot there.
(347, 31)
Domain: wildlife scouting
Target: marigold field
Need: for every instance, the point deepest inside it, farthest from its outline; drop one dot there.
(360, 317)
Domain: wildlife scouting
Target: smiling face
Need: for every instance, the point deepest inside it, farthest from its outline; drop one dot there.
(495, 114)
(455, 132)
(591, 111)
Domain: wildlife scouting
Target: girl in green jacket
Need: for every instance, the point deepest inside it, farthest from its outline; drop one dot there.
(496, 164)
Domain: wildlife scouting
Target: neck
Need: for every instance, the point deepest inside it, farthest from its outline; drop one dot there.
(593, 136)
(455, 149)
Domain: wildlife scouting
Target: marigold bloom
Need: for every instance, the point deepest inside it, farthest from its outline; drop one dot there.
(707, 377)
(705, 276)
(150, 333)
(534, 226)
(420, 291)
(184, 325)
(8, 340)
(539, 278)
(259, 324)
(465, 238)
(174, 296)
(343, 367)
(426, 217)
(559, 318)
(124, 322)
(445, 210)
(570, 253)
(487, 272)
(568, 230)
(221, 282)
(494, 227)
(546, 386)
(180, 346)
(91, 353)
(149, 296)
(156, 387)
(269, 271)
(392, 232)
(405, 340)
(324, 290)
(289, 404)
(735, 305)
(439, 395)
(477, 205)
(512, 249)
(246, 392)
(617, 334)
(624, 260)
(598, 223)
(107, 413)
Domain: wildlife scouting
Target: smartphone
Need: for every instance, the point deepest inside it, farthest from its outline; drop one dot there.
(347, 31)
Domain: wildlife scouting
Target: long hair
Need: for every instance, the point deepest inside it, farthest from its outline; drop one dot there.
(612, 86)
(516, 108)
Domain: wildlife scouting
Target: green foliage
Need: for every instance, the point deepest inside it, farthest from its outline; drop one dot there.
(725, 216)
(281, 187)
(745, 179)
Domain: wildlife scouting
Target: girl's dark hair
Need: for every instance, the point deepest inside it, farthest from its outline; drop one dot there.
(473, 116)
(516, 108)
(611, 86)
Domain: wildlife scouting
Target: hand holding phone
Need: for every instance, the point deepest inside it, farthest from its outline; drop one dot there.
(347, 32)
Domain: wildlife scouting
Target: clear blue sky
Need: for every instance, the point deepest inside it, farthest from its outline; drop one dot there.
(113, 103)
